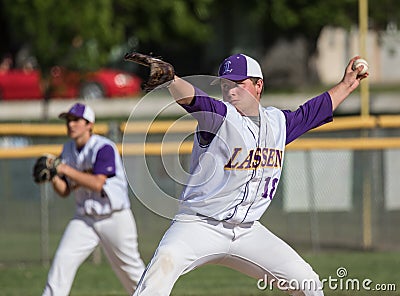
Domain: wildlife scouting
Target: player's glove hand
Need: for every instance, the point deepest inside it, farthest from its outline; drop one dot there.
(45, 168)
(160, 71)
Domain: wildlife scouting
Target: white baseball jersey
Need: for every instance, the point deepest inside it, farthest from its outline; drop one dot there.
(114, 195)
(234, 178)
(101, 218)
(234, 175)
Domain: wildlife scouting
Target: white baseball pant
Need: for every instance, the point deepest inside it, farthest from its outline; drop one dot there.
(249, 248)
(117, 236)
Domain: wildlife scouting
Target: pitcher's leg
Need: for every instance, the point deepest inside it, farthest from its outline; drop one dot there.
(78, 242)
(118, 238)
(275, 261)
(184, 246)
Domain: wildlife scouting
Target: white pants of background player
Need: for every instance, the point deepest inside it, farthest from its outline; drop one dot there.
(249, 248)
(118, 238)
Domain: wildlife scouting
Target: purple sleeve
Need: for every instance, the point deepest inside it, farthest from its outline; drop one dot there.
(105, 162)
(311, 114)
(209, 113)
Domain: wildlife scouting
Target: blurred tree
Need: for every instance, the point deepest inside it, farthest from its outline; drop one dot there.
(162, 20)
(177, 30)
(83, 34)
(270, 20)
(384, 14)
(258, 26)
(77, 34)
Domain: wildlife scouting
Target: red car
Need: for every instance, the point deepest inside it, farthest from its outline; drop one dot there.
(18, 84)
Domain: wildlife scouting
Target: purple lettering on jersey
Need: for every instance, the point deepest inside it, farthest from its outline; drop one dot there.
(264, 157)
(311, 114)
(209, 113)
(271, 159)
(255, 159)
(246, 164)
(230, 164)
(278, 159)
(269, 191)
(267, 180)
(105, 162)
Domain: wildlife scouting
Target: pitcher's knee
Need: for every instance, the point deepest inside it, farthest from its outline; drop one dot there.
(166, 261)
(160, 275)
(165, 265)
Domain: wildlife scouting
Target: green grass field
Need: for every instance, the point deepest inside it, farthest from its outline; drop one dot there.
(20, 242)
(380, 267)
(28, 279)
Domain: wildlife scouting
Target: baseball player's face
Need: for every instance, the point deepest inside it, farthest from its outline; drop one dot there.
(78, 128)
(244, 95)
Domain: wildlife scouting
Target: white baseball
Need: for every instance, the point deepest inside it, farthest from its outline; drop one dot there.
(358, 63)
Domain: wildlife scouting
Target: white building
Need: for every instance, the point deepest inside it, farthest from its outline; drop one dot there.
(337, 45)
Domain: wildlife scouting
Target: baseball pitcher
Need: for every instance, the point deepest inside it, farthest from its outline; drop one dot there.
(236, 166)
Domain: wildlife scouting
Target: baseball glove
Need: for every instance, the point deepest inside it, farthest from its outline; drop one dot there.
(45, 168)
(160, 71)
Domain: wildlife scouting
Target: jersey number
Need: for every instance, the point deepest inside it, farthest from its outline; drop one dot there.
(269, 191)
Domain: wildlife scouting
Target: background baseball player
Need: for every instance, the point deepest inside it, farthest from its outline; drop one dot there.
(90, 165)
(236, 166)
